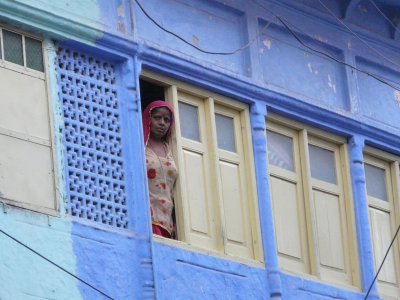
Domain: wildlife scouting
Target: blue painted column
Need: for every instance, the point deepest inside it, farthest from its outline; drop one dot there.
(365, 250)
(258, 115)
(139, 217)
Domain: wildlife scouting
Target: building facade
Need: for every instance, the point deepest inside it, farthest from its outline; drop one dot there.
(286, 141)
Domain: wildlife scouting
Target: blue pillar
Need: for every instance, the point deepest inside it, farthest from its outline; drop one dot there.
(365, 250)
(258, 115)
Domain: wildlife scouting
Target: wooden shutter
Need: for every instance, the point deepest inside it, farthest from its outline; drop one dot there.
(287, 198)
(194, 178)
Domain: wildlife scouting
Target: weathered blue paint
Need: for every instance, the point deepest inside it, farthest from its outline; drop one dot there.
(326, 79)
(214, 22)
(365, 251)
(258, 117)
(296, 287)
(187, 274)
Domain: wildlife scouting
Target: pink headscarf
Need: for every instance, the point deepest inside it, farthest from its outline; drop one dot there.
(146, 118)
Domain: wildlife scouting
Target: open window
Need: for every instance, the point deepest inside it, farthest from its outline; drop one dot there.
(215, 195)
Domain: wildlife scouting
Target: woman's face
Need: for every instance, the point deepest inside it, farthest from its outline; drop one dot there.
(160, 122)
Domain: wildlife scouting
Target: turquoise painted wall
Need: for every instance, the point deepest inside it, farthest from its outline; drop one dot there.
(275, 73)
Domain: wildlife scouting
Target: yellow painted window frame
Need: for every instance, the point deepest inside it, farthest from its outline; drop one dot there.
(390, 163)
(212, 102)
(303, 135)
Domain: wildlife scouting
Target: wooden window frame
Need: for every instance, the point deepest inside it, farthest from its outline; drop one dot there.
(310, 264)
(212, 103)
(390, 163)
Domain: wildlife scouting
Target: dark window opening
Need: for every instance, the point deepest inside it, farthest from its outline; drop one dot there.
(150, 92)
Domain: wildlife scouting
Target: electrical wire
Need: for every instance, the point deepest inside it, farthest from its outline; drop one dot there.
(323, 54)
(357, 36)
(196, 47)
(337, 60)
(380, 267)
(53, 263)
(380, 79)
(383, 15)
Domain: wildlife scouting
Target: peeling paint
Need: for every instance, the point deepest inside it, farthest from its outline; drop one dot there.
(195, 40)
(311, 69)
(121, 11)
(267, 43)
(331, 84)
(121, 16)
(321, 39)
(397, 97)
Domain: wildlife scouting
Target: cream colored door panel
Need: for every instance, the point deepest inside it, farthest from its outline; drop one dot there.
(382, 236)
(232, 199)
(287, 223)
(329, 230)
(237, 225)
(26, 173)
(198, 199)
(24, 110)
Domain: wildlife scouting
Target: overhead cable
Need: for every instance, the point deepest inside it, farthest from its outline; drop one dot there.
(54, 264)
(383, 261)
(357, 36)
(196, 47)
(386, 81)
(383, 15)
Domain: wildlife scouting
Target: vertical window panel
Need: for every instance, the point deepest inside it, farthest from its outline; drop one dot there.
(376, 182)
(225, 132)
(34, 54)
(284, 195)
(322, 163)
(189, 121)
(196, 192)
(231, 193)
(329, 230)
(13, 51)
(381, 238)
(280, 150)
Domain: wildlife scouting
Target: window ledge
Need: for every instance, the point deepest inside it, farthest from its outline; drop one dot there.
(215, 254)
(317, 280)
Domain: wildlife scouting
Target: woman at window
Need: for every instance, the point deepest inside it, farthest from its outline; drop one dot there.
(158, 120)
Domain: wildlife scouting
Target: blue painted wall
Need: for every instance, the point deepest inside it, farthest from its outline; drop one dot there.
(306, 81)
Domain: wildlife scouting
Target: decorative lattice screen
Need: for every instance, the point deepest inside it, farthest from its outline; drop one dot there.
(94, 165)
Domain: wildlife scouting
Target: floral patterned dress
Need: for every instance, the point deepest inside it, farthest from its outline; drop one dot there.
(161, 174)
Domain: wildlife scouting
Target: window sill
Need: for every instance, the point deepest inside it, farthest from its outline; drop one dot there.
(21, 69)
(215, 254)
(317, 280)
